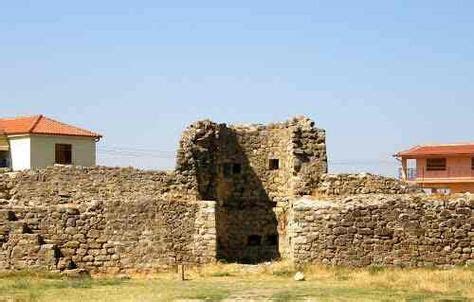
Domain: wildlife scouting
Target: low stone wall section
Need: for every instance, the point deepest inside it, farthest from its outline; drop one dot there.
(385, 230)
(143, 236)
(102, 220)
(363, 183)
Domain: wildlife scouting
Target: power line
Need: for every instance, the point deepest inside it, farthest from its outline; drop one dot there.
(359, 162)
(135, 149)
(135, 152)
(129, 155)
(157, 153)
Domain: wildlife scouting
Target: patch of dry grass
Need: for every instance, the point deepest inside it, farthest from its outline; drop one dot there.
(431, 280)
(456, 280)
(246, 282)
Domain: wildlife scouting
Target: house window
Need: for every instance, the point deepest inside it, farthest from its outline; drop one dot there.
(472, 163)
(436, 164)
(3, 159)
(63, 154)
(274, 164)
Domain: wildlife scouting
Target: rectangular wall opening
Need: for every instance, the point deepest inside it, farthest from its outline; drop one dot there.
(272, 240)
(254, 240)
(63, 154)
(274, 164)
(236, 169)
(4, 159)
(436, 164)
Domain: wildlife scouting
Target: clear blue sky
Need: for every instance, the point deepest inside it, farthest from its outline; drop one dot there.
(379, 76)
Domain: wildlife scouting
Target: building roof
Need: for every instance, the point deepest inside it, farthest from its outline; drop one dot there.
(430, 150)
(40, 124)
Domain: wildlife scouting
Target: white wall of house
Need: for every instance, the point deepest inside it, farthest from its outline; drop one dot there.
(20, 152)
(43, 150)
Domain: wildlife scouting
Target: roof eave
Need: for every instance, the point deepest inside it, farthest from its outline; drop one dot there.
(433, 154)
(96, 136)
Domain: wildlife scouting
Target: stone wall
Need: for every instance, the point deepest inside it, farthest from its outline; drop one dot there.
(59, 185)
(247, 235)
(103, 220)
(252, 171)
(363, 183)
(388, 230)
(196, 157)
(111, 219)
(232, 163)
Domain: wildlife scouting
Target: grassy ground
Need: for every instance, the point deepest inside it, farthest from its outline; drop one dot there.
(264, 282)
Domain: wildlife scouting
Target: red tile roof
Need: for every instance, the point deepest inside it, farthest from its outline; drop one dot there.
(42, 125)
(429, 150)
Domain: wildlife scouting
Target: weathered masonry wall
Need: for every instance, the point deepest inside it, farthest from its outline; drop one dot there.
(388, 230)
(233, 163)
(60, 185)
(363, 183)
(103, 220)
(252, 172)
(236, 195)
(297, 146)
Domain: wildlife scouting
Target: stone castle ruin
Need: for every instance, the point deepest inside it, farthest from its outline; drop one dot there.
(244, 194)
(252, 172)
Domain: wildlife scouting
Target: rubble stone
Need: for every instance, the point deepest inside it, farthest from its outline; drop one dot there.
(382, 229)
(238, 193)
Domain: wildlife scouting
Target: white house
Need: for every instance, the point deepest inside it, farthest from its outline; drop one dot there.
(35, 142)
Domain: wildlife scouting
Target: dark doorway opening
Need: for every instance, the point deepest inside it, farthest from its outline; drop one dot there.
(254, 240)
(63, 154)
(4, 159)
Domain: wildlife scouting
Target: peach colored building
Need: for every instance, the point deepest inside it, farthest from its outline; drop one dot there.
(439, 168)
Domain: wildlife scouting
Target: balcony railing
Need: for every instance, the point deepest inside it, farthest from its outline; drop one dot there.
(413, 174)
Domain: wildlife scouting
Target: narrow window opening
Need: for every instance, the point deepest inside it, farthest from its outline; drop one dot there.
(230, 169)
(237, 169)
(436, 164)
(274, 164)
(254, 240)
(63, 154)
(472, 163)
(227, 170)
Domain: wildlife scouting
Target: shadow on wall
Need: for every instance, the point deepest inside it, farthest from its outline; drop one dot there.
(246, 223)
(247, 227)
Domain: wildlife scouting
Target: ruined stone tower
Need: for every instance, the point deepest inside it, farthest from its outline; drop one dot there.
(252, 171)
